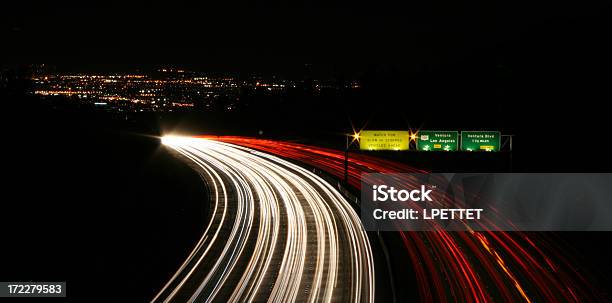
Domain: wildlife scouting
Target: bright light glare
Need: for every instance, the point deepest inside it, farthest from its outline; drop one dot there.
(169, 140)
(174, 140)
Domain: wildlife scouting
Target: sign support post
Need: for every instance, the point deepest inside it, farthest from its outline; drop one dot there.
(346, 160)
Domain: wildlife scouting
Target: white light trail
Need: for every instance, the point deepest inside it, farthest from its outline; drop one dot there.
(277, 233)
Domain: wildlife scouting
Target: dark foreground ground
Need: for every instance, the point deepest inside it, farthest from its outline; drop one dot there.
(108, 211)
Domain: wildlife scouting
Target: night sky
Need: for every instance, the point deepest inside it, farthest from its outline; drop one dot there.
(275, 36)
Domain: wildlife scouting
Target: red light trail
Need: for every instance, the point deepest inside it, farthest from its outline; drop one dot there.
(457, 266)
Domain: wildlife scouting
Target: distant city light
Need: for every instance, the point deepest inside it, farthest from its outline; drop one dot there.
(173, 90)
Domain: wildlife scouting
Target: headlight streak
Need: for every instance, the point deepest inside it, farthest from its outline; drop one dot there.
(285, 234)
(205, 242)
(458, 266)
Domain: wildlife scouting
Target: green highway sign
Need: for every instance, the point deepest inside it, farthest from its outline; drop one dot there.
(480, 140)
(431, 140)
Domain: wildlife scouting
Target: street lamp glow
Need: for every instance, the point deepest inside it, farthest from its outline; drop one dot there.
(356, 136)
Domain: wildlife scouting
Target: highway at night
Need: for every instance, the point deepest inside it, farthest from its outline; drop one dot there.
(316, 151)
(277, 233)
(455, 266)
